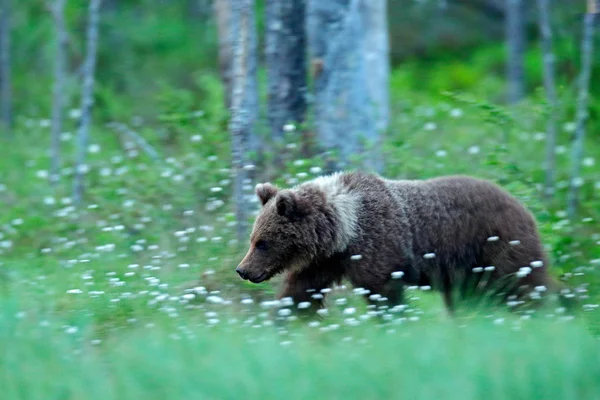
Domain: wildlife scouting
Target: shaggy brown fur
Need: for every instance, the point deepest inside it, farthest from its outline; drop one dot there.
(363, 228)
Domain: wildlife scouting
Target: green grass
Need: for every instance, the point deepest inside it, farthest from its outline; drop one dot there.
(186, 357)
(134, 295)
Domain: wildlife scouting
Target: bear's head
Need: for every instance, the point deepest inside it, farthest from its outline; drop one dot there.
(292, 228)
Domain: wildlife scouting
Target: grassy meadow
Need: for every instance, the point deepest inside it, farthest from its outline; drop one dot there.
(134, 294)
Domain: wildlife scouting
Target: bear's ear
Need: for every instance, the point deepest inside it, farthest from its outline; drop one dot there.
(265, 191)
(290, 205)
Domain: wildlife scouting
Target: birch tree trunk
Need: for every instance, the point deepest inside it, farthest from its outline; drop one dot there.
(5, 67)
(550, 87)
(58, 13)
(377, 58)
(87, 99)
(241, 117)
(286, 63)
(344, 104)
(582, 106)
(515, 39)
(229, 27)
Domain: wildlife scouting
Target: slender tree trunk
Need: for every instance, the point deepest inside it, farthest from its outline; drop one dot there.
(87, 99)
(550, 86)
(58, 12)
(377, 58)
(582, 106)
(5, 67)
(229, 27)
(343, 105)
(241, 117)
(286, 63)
(222, 10)
(515, 38)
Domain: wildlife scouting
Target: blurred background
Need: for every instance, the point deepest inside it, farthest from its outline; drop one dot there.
(133, 132)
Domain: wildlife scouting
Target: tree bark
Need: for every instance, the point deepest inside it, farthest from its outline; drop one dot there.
(344, 107)
(58, 13)
(550, 87)
(5, 67)
(515, 38)
(241, 117)
(229, 26)
(582, 107)
(286, 63)
(377, 55)
(87, 98)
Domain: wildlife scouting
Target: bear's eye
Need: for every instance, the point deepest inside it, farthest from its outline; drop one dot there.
(261, 245)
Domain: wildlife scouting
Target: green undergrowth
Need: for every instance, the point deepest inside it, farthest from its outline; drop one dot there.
(184, 358)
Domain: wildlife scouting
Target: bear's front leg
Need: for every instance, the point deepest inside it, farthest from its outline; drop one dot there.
(305, 287)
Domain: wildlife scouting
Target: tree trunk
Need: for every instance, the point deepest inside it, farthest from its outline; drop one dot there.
(58, 13)
(228, 24)
(345, 111)
(550, 86)
(87, 99)
(241, 117)
(582, 107)
(5, 67)
(377, 56)
(286, 63)
(515, 39)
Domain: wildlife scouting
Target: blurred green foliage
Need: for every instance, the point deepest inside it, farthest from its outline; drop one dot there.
(153, 228)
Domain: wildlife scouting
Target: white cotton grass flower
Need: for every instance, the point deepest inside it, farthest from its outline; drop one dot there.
(523, 272)
(397, 274)
(456, 113)
(75, 113)
(474, 150)
(356, 257)
(570, 126)
(489, 269)
(514, 242)
(430, 126)
(214, 299)
(71, 330)
(429, 256)
(577, 182)
(537, 264)
(304, 305)
(287, 302)
(323, 312)
(349, 311)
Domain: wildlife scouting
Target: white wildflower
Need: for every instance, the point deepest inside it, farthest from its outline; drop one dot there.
(523, 272)
(537, 264)
(397, 274)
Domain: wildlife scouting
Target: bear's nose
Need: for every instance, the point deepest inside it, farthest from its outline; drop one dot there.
(241, 273)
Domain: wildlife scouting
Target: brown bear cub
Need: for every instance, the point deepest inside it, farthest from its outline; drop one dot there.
(383, 234)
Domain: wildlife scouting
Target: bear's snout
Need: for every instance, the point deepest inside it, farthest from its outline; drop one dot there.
(252, 276)
(241, 273)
